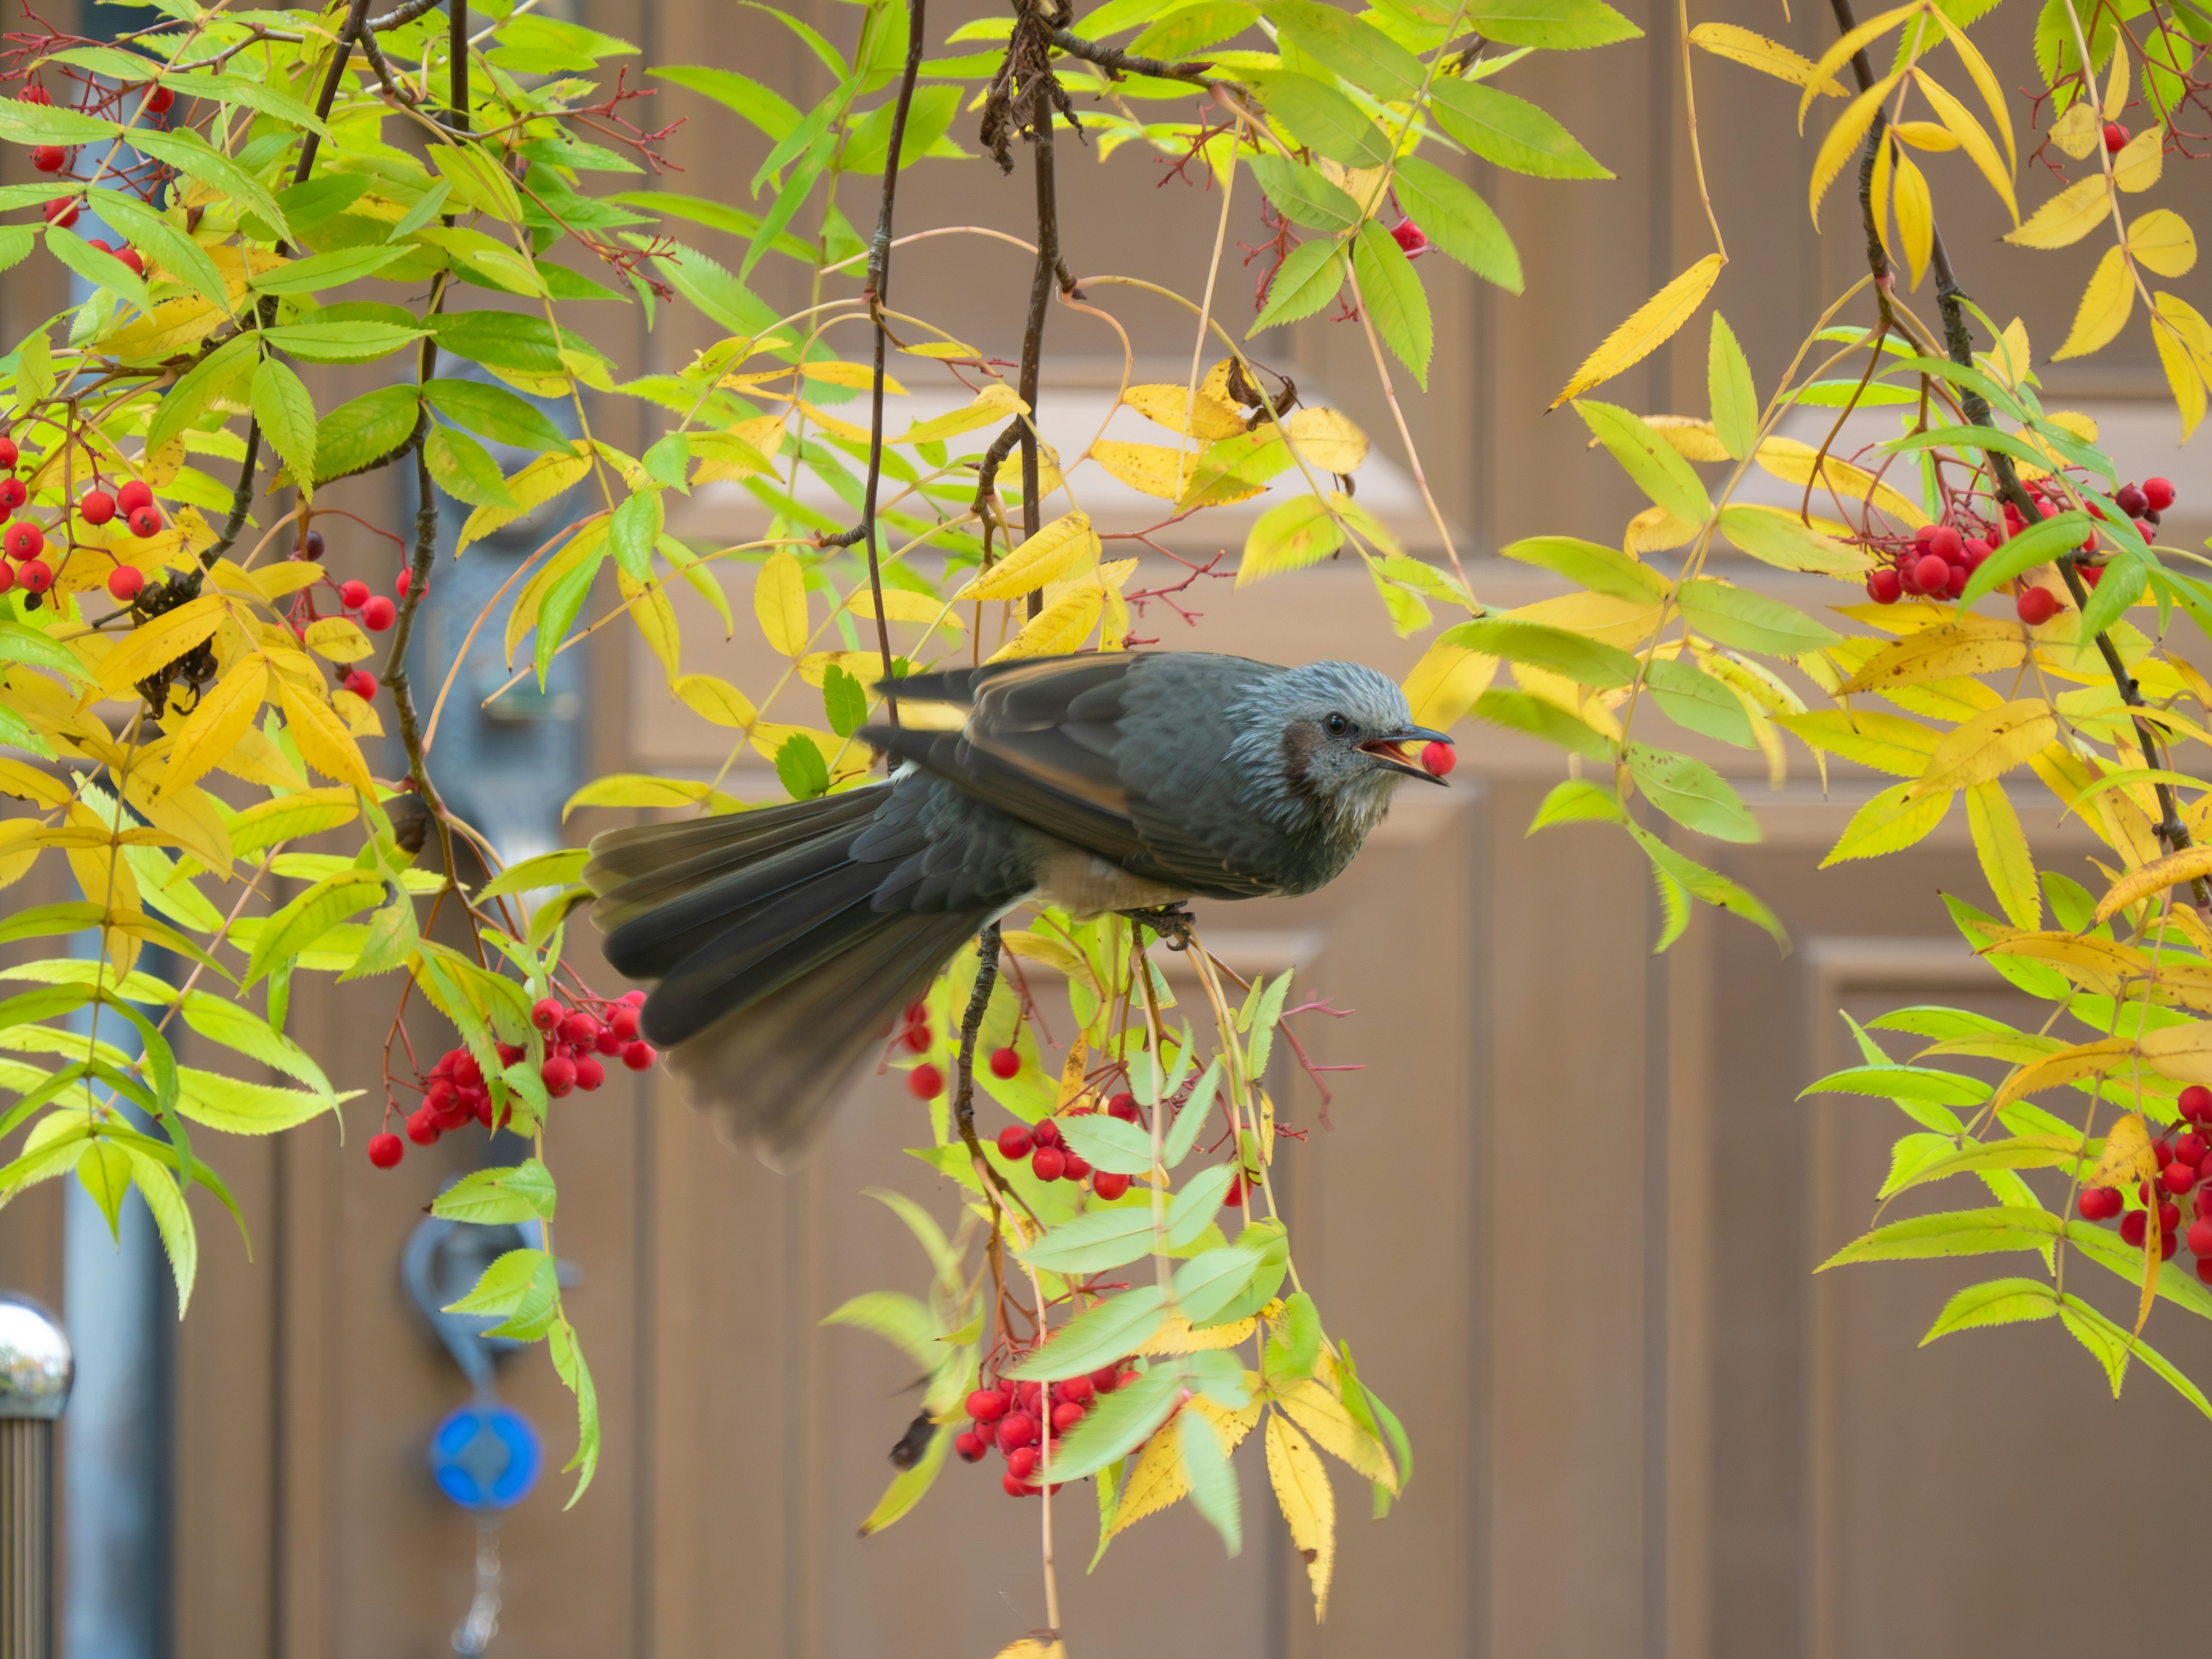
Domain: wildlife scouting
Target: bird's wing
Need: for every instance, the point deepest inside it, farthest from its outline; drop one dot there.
(1043, 744)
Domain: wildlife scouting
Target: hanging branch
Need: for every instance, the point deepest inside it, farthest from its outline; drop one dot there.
(1116, 62)
(1958, 342)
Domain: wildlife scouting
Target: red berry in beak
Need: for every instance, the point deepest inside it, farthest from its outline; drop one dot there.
(1437, 759)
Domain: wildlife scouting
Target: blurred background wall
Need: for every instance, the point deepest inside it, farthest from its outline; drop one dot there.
(1566, 1215)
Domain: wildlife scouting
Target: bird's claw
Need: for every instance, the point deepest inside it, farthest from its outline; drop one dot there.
(1174, 924)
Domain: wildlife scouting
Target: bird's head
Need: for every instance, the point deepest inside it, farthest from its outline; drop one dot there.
(1329, 739)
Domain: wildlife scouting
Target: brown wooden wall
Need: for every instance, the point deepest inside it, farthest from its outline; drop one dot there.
(1567, 1215)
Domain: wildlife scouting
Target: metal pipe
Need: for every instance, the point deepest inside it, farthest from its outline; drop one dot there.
(36, 1370)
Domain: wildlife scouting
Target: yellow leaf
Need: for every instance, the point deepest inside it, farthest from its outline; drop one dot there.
(1846, 136)
(1176, 1336)
(1693, 439)
(858, 377)
(902, 605)
(2162, 240)
(1625, 623)
(1156, 1482)
(2185, 351)
(1061, 549)
(1971, 645)
(1150, 469)
(2008, 863)
(1988, 746)
(2078, 132)
(214, 726)
(2099, 964)
(1052, 952)
(1790, 459)
(1445, 683)
(2156, 877)
(1893, 820)
(275, 582)
(2055, 1071)
(1654, 530)
(1776, 536)
(655, 615)
(717, 700)
(1028, 1648)
(337, 638)
(154, 644)
(2128, 1158)
(1840, 53)
(28, 783)
(1741, 45)
(996, 401)
(1322, 1415)
(865, 667)
(1326, 439)
(1985, 80)
(1650, 327)
(2140, 160)
(537, 483)
(767, 736)
(1183, 409)
(943, 351)
(1889, 743)
(636, 789)
(325, 744)
(1925, 134)
(1060, 627)
(2105, 306)
(1916, 217)
(1878, 187)
(2067, 217)
(1972, 136)
(2115, 85)
(1308, 1504)
(833, 426)
(780, 602)
(2183, 1052)
(746, 449)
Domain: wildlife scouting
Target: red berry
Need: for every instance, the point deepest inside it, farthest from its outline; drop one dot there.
(1005, 1062)
(24, 540)
(633, 999)
(1106, 1379)
(146, 522)
(1956, 584)
(1124, 1107)
(49, 158)
(1016, 1429)
(7, 575)
(580, 1028)
(467, 1074)
(34, 576)
(1977, 552)
(2091, 1204)
(924, 1082)
(96, 507)
(130, 257)
(987, 1405)
(422, 1127)
(1074, 1166)
(1077, 1388)
(2158, 492)
(379, 614)
(2130, 500)
(2133, 1225)
(546, 1014)
(558, 1074)
(1047, 1163)
(2036, 606)
(1235, 1196)
(2191, 1148)
(2169, 1214)
(1885, 586)
(8, 453)
(589, 1073)
(12, 494)
(2204, 1268)
(1046, 1133)
(125, 583)
(968, 1446)
(1934, 574)
(1408, 236)
(2195, 1103)
(1026, 1395)
(1947, 545)
(37, 95)
(623, 1022)
(1021, 1463)
(1066, 1415)
(1014, 1143)
(385, 1150)
(158, 99)
(134, 493)
(638, 1056)
(2178, 1177)
(2200, 1236)
(1108, 1186)
(353, 594)
(2168, 1243)
(2161, 1151)
(406, 580)
(63, 213)
(2092, 574)
(363, 684)
(917, 1038)
(2116, 137)
(1438, 758)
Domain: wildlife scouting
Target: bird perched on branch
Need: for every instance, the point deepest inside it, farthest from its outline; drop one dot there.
(786, 941)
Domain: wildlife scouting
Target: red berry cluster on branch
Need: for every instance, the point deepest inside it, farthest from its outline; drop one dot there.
(29, 562)
(2184, 1163)
(1016, 1418)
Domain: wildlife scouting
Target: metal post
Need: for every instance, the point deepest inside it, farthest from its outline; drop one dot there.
(36, 1368)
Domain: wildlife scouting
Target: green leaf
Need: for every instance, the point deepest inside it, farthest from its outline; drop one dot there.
(50, 123)
(800, 768)
(1589, 564)
(556, 869)
(1458, 222)
(1510, 132)
(1697, 701)
(494, 412)
(1114, 1329)
(1728, 386)
(101, 270)
(286, 414)
(355, 342)
(199, 388)
(900, 1319)
(1576, 800)
(103, 1170)
(1355, 49)
(1190, 1118)
(632, 532)
(1737, 616)
(502, 339)
(323, 270)
(1213, 1482)
(1108, 1143)
(767, 110)
(463, 469)
(1309, 280)
(1554, 24)
(1394, 296)
(171, 1219)
(1922, 1083)
(1321, 118)
(490, 1197)
(362, 430)
(239, 1028)
(1302, 196)
(237, 1108)
(163, 243)
(2038, 544)
(295, 928)
(521, 1288)
(431, 204)
(1956, 1232)
(1097, 1239)
(1655, 465)
(867, 140)
(1691, 793)
(567, 1356)
(1585, 660)
(2108, 1345)
(844, 700)
(908, 1486)
(254, 94)
(183, 149)
(1776, 536)
(1519, 711)
(714, 290)
(1211, 1281)
(1120, 1422)
(1196, 1204)
(562, 601)
(1295, 1347)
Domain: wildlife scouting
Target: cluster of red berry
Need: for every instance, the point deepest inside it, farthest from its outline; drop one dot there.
(455, 1090)
(1051, 1159)
(53, 158)
(25, 542)
(2184, 1164)
(373, 611)
(1013, 1417)
(1936, 561)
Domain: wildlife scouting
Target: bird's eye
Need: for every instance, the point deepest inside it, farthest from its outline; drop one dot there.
(1338, 726)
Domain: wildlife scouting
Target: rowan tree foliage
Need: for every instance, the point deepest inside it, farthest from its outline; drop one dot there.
(188, 688)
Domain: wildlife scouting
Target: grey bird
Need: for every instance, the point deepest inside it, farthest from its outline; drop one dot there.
(786, 941)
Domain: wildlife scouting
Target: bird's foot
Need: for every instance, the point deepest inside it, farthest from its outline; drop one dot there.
(1173, 923)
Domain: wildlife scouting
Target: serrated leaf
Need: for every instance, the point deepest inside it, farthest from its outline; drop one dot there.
(1648, 327)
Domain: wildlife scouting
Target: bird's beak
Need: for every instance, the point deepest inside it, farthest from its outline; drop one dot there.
(1389, 756)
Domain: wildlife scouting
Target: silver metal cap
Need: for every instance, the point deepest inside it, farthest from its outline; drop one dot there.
(36, 1365)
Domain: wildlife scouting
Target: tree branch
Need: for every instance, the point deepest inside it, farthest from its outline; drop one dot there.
(1116, 62)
